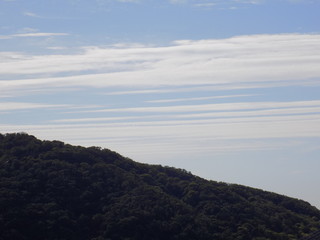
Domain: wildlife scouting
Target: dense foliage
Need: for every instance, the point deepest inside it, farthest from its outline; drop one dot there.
(53, 191)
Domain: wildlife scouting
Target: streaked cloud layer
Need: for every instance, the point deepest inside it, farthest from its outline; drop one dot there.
(243, 64)
(274, 59)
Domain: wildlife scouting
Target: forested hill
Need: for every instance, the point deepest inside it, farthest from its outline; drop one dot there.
(50, 190)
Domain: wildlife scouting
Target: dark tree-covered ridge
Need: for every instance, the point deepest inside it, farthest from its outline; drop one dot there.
(50, 190)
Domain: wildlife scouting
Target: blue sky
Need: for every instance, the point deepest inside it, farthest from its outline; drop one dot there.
(229, 90)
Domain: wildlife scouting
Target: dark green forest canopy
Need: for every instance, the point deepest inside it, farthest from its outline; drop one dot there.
(52, 190)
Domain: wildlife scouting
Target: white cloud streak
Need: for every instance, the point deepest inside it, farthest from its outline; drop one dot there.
(195, 131)
(238, 106)
(25, 35)
(31, 14)
(198, 98)
(212, 115)
(218, 87)
(249, 60)
(179, 132)
(13, 106)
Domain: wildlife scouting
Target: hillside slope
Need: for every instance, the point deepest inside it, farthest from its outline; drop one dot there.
(53, 191)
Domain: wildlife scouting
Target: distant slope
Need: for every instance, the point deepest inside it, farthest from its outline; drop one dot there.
(53, 191)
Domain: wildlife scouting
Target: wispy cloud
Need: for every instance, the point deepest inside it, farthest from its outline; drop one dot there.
(221, 116)
(250, 1)
(228, 4)
(178, 1)
(233, 4)
(197, 98)
(215, 107)
(205, 5)
(129, 1)
(57, 48)
(199, 135)
(240, 123)
(13, 106)
(160, 119)
(39, 34)
(34, 34)
(31, 14)
(216, 87)
(261, 59)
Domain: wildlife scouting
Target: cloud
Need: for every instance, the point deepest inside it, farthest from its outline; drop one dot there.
(250, 1)
(57, 17)
(29, 30)
(196, 136)
(196, 98)
(129, 1)
(229, 4)
(215, 88)
(170, 121)
(34, 34)
(205, 5)
(199, 129)
(215, 107)
(39, 34)
(190, 126)
(221, 116)
(232, 4)
(57, 48)
(178, 1)
(303, 1)
(246, 60)
(14, 106)
(31, 14)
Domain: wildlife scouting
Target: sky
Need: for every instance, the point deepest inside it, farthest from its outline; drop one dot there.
(228, 90)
